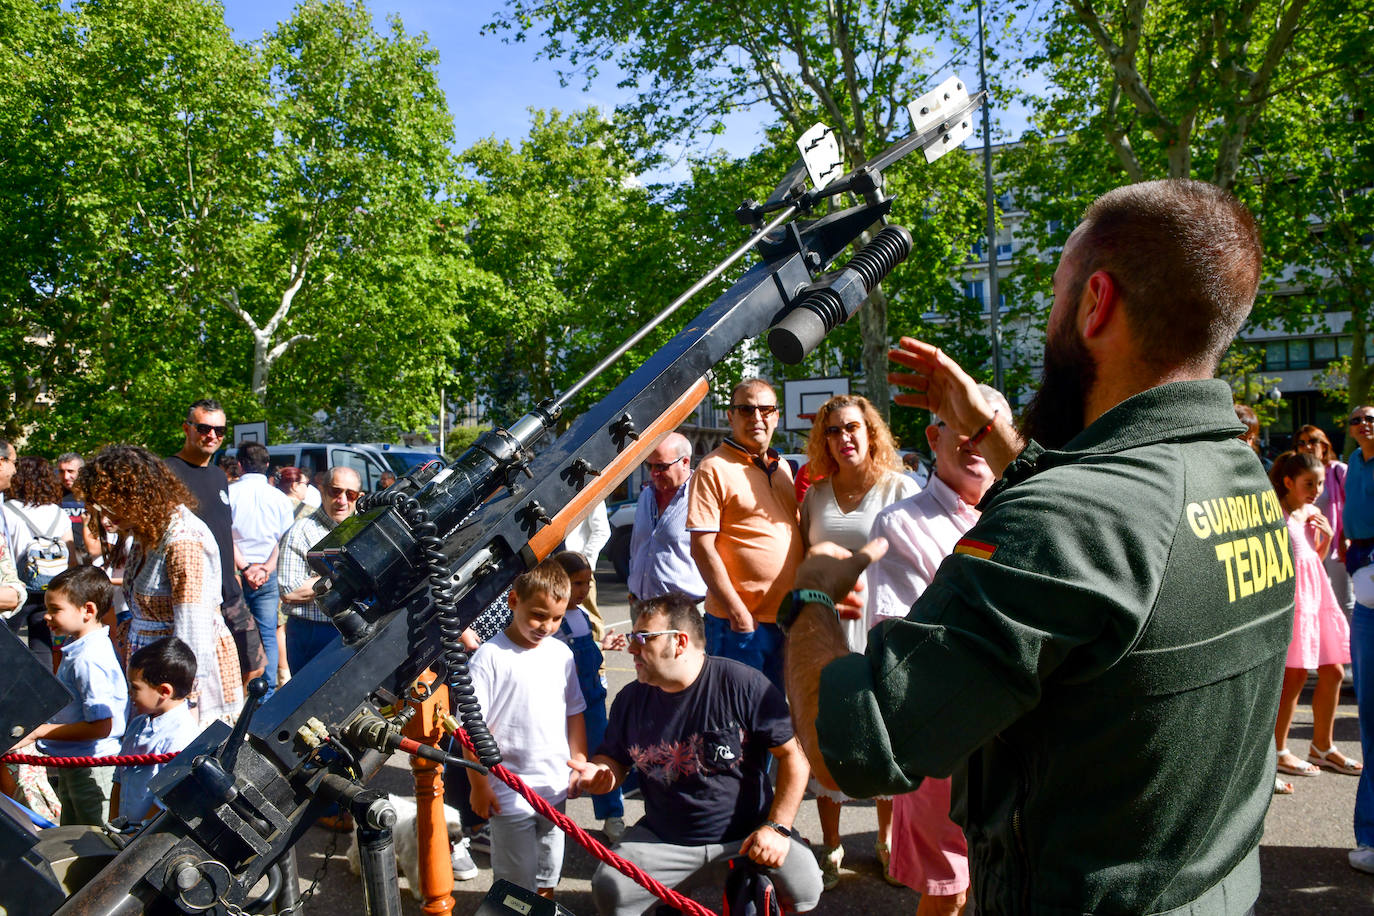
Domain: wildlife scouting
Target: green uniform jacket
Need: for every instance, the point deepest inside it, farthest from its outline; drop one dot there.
(1098, 665)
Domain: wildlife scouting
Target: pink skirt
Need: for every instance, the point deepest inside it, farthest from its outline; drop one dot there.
(1321, 634)
(929, 853)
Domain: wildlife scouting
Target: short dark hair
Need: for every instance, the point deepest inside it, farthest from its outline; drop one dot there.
(548, 578)
(203, 404)
(85, 583)
(681, 611)
(69, 456)
(166, 661)
(572, 561)
(1186, 257)
(254, 458)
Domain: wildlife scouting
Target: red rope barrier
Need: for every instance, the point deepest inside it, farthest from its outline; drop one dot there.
(118, 760)
(591, 844)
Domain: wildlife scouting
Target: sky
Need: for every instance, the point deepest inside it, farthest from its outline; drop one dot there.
(491, 84)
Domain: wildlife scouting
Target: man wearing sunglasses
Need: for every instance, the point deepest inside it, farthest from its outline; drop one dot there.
(1359, 561)
(308, 629)
(262, 514)
(746, 533)
(1098, 662)
(701, 731)
(660, 548)
(204, 429)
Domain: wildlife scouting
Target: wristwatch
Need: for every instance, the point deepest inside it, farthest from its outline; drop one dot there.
(779, 828)
(796, 600)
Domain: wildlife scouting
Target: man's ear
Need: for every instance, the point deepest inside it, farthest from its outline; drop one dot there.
(932, 436)
(1099, 305)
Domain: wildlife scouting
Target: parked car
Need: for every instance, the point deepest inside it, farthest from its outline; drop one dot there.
(617, 549)
(403, 459)
(319, 456)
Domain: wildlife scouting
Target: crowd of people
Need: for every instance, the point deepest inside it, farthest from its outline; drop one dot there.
(1066, 667)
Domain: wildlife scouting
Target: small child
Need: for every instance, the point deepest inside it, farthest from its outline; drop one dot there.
(161, 676)
(527, 686)
(579, 632)
(90, 725)
(1321, 635)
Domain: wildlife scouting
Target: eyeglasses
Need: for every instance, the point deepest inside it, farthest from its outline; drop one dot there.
(763, 410)
(659, 467)
(852, 428)
(332, 491)
(1303, 442)
(206, 429)
(639, 639)
(1362, 419)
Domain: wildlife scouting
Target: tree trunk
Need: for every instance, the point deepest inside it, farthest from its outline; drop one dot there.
(1361, 373)
(874, 339)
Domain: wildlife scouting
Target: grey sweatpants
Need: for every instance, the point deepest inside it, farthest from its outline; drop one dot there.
(798, 881)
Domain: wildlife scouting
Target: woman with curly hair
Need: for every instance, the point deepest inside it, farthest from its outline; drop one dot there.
(33, 503)
(1311, 440)
(855, 473)
(172, 581)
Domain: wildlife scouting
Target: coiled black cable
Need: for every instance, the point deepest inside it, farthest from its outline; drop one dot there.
(443, 592)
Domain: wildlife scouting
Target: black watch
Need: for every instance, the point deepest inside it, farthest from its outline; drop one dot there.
(795, 601)
(779, 828)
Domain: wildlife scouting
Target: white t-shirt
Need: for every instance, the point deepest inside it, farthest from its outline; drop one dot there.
(527, 696)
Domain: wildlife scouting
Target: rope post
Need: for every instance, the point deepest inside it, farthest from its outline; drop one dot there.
(430, 699)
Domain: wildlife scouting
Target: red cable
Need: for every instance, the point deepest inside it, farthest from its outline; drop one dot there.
(118, 760)
(590, 843)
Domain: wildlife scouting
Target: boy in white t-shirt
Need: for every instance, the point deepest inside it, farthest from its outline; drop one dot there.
(527, 685)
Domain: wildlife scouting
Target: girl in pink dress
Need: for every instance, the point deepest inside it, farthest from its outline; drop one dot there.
(1321, 635)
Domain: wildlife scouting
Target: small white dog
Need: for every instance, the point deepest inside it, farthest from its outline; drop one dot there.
(405, 835)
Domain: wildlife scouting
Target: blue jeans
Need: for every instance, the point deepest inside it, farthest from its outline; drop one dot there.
(1362, 671)
(263, 602)
(761, 649)
(305, 639)
(609, 804)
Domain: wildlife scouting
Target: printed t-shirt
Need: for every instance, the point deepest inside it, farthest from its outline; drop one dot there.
(702, 753)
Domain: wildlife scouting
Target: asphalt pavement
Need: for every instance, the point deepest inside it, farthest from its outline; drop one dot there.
(1303, 853)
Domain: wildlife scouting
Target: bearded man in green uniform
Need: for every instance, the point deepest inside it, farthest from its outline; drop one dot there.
(1098, 663)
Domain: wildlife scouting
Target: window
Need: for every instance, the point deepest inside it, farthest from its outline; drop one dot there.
(973, 289)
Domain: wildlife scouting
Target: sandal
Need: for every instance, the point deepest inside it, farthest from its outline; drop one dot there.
(1342, 763)
(1298, 767)
(1281, 787)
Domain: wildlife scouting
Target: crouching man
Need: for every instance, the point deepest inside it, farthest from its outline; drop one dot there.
(700, 730)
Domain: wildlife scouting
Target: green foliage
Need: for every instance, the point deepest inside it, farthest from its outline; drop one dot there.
(460, 439)
(1240, 367)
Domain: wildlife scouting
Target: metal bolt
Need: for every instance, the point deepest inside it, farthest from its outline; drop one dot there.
(187, 877)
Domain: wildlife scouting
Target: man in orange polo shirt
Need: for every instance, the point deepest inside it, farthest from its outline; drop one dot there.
(746, 540)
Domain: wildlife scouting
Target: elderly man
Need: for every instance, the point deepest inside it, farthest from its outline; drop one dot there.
(701, 732)
(308, 629)
(928, 849)
(1099, 661)
(746, 536)
(660, 548)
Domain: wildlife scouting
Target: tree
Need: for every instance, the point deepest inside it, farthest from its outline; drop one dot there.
(853, 65)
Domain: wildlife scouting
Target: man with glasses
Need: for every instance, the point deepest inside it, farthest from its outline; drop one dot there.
(12, 590)
(746, 534)
(701, 731)
(262, 514)
(204, 429)
(660, 548)
(308, 629)
(1359, 561)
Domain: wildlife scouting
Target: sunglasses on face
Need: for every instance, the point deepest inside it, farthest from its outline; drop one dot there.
(1362, 420)
(332, 492)
(763, 410)
(639, 639)
(1301, 442)
(658, 467)
(852, 428)
(206, 429)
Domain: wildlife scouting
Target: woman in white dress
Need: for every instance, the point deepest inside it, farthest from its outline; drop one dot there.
(855, 473)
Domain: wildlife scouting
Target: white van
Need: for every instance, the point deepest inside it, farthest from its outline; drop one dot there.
(319, 456)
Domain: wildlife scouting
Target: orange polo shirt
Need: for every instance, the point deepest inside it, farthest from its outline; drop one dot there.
(755, 516)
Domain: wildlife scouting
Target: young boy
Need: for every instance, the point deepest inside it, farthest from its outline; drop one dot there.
(161, 676)
(527, 685)
(90, 725)
(580, 632)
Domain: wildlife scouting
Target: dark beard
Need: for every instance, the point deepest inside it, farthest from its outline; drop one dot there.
(1055, 412)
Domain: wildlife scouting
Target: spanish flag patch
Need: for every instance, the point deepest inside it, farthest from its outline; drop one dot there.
(979, 549)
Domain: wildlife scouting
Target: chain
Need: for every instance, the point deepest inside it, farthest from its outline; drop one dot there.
(233, 909)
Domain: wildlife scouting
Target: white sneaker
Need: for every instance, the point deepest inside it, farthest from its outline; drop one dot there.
(464, 869)
(1362, 859)
(829, 860)
(614, 828)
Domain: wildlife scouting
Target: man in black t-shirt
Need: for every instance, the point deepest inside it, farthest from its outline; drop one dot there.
(204, 427)
(701, 731)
